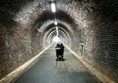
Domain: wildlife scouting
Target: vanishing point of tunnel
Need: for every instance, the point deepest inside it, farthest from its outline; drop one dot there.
(30, 29)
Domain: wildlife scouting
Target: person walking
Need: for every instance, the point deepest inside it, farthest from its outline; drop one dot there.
(62, 50)
(59, 51)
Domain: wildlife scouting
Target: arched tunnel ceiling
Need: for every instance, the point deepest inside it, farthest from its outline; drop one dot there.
(51, 33)
(47, 21)
(90, 26)
(60, 30)
(64, 37)
(69, 12)
(66, 14)
(60, 15)
(8, 8)
(48, 25)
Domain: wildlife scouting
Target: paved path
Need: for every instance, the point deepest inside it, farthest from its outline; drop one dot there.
(47, 70)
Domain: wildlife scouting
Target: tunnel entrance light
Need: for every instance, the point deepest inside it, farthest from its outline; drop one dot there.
(56, 39)
(53, 7)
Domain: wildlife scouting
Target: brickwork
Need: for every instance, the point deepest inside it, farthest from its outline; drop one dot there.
(96, 36)
(19, 41)
(94, 23)
(18, 45)
(100, 41)
(108, 42)
(2, 52)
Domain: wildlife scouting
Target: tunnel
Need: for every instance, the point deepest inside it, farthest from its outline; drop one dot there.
(87, 28)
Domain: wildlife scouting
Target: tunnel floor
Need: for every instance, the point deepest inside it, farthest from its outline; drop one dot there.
(48, 70)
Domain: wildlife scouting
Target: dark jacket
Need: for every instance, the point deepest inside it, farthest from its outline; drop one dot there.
(59, 49)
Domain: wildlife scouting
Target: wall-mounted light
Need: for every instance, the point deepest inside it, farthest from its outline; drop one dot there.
(53, 7)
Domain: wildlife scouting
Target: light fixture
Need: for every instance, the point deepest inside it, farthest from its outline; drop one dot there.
(53, 7)
(57, 31)
(55, 22)
(56, 28)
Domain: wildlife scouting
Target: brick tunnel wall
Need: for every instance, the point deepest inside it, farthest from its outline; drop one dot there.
(98, 40)
(19, 41)
(100, 46)
(2, 52)
(18, 45)
(107, 51)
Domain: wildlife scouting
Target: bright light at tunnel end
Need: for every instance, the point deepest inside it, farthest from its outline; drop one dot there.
(56, 39)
